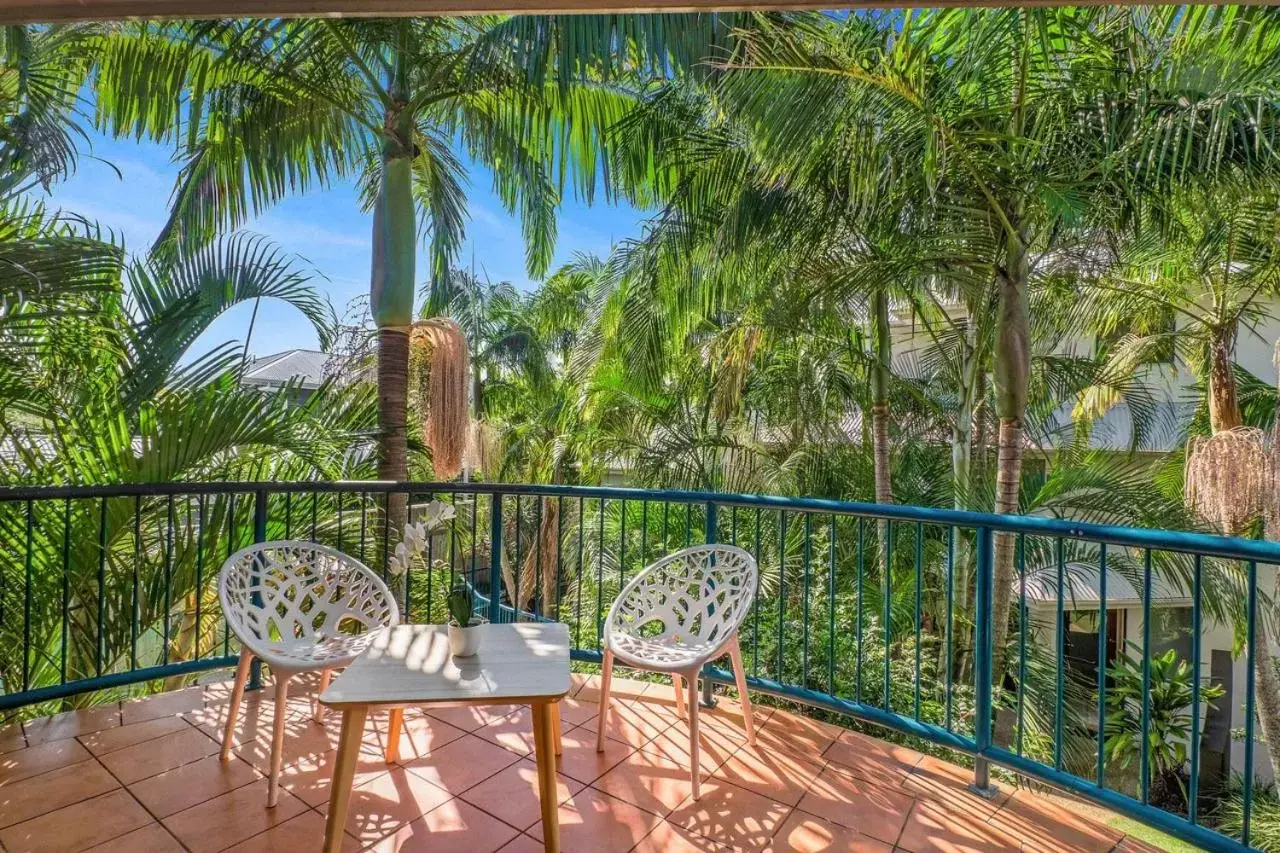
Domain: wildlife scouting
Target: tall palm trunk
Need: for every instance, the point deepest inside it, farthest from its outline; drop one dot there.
(391, 285)
(1224, 403)
(883, 342)
(391, 295)
(962, 471)
(1225, 415)
(962, 427)
(1012, 371)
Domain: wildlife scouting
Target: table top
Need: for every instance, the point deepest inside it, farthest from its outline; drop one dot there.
(411, 665)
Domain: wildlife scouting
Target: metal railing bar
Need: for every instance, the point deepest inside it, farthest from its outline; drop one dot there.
(1205, 544)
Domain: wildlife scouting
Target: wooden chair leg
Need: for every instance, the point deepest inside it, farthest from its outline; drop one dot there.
(740, 678)
(277, 737)
(695, 771)
(317, 710)
(677, 684)
(233, 710)
(606, 675)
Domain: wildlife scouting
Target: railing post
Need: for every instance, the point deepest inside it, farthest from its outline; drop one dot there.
(708, 697)
(495, 557)
(983, 593)
(259, 536)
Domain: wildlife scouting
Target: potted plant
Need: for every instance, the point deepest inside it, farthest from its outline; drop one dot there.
(464, 628)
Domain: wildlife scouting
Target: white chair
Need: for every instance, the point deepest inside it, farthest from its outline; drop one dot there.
(294, 605)
(677, 615)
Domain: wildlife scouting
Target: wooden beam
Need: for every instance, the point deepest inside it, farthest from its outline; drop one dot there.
(58, 11)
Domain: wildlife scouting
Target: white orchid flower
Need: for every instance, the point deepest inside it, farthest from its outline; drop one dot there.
(436, 513)
(420, 536)
(395, 566)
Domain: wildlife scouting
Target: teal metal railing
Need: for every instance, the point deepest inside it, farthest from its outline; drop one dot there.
(880, 612)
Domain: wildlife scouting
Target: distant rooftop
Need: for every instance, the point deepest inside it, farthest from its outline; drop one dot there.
(302, 367)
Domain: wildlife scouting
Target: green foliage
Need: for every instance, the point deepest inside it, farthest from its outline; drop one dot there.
(1264, 816)
(1173, 682)
(460, 602)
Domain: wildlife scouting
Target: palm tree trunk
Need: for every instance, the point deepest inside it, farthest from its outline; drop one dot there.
(391, 288)
(962, 440)
(1012, 371)
(1224, 404)
(1224, 415)
(883, 341)
(1267, 688)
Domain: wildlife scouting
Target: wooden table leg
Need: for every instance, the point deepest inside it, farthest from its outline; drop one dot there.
(559, 741)
(544, 747)
(344, 771)
(393, 735)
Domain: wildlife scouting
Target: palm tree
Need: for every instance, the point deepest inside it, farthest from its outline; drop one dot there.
(999, 108)
(1186, 289)
(274, 107)
(112, 396)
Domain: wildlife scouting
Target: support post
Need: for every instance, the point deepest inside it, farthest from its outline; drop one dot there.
(259, 536)
(495, 557)
(982, 611)
(708, 697)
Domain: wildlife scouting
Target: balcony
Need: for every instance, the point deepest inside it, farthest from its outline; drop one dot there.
(869, 651)
(144, 775)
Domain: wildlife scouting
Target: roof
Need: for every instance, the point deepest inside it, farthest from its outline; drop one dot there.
(1080, 588)
(303, 367)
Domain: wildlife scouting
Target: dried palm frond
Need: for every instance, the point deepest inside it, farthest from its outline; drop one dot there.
(482, 448)
(439, 359)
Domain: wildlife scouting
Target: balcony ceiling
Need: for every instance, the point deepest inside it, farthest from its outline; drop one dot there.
(26, 11)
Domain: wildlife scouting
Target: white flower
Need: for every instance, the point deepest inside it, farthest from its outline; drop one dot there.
(395, 566)
(417, 535)
(436, 513)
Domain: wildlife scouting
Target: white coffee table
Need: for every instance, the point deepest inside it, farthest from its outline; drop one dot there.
(525, 663)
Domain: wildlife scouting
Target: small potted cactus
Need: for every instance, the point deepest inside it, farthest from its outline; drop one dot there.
(464, 628)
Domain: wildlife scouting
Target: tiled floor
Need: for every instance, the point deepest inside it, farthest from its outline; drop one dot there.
(145, 776)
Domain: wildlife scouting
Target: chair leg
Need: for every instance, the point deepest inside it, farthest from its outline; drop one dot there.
(317, 710)
(606, 675)
(695, 771)
(740, 678)
(677, 684)
(277, 737)
(237, 694)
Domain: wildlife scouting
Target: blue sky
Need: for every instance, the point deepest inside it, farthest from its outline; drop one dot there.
(326, 229)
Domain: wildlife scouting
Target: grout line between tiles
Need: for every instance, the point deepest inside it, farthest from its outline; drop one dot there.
(142, 806)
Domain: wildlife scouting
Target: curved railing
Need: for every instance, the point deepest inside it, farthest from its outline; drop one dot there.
(879, 612)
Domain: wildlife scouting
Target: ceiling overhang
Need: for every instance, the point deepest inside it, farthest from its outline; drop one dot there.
(49, 11)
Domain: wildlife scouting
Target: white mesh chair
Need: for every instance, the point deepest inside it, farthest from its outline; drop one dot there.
(676, 615)
(294, 605)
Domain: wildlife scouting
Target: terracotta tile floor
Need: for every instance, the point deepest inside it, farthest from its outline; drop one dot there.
(145, 776)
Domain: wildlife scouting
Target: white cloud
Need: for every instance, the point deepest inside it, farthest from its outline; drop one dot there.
(302, 236)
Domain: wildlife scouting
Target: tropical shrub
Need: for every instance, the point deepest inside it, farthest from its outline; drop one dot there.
(1168, 696)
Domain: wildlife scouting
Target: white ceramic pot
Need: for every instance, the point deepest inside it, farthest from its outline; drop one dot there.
(464, 642)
